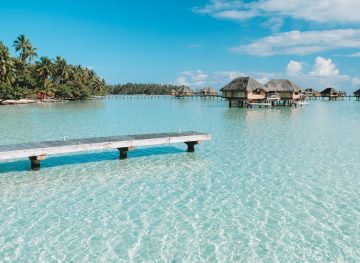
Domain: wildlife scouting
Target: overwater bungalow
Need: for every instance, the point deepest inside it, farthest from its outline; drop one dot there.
(244, 90)
(184, 91)
(173, 92)
(330, 93)
(286, 89)
(357, 94)
(312, 93)
(342, 94)
(208, 92)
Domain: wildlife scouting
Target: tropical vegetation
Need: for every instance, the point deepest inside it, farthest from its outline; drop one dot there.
(141, 88)
(25, 77)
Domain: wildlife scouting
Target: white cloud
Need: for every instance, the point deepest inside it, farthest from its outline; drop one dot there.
(274, 23)
(223, 77)
(302, 43)
(192, 78)
(355, 55)
(322, 74)
(325, 11)
(199, 78)
(355, 81)
(182, 81)
(220, 76)
(294, 68)
(324, 68)
(235, 15)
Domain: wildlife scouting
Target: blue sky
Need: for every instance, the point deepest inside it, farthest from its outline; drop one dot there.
(198, 43)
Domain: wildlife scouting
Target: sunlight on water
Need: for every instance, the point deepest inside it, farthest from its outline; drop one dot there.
(272, 185)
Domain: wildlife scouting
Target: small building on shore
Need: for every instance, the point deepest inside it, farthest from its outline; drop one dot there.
(208, 92)
(243, 90)
(184, 91)
(357, 94)
(286, 89)
(330, 93)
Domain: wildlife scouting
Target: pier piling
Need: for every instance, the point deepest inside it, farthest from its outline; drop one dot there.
(37, 151)
(123, 152)
(35, 162)
(191, 146)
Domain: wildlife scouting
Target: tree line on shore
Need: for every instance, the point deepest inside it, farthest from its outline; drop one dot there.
(25, 77)
(141, 88)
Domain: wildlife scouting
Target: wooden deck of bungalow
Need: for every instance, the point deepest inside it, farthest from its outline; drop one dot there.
(37, 151)
(346, 97)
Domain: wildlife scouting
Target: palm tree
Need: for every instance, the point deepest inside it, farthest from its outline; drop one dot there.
(62, 70)
(31, 53)
(99, 85)
(45, 90)
(79, 74)
(44, 68)
(23, 45)
(7, 65)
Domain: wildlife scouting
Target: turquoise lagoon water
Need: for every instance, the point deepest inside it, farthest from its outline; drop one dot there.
(277, 185)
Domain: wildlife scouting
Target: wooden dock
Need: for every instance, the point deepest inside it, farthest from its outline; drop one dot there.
(38, 151)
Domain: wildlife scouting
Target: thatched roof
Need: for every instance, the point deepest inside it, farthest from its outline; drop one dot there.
(311, 90)
(357, 93)
(329, 91)
(184, 89)
(282, 85)
(243, 84)
(208, 90)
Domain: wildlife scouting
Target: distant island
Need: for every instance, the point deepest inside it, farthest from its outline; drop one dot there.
(145, 89)
(25, 77)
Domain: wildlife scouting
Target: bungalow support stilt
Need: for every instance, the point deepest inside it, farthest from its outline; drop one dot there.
(35, 162)
(191, 146)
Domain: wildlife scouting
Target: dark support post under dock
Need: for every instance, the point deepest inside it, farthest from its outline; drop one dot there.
(35, 162)
(123, 152)
(190, 146)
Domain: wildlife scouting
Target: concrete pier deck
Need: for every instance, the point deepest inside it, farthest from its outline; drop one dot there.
(38, 151)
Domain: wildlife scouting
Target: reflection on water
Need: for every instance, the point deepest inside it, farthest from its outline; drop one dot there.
(53, 161)
(278, 184)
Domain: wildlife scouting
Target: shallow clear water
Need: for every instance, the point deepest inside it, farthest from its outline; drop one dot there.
(272, 185)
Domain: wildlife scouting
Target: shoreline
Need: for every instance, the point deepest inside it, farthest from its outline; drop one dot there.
(28, 101)
(37, 101)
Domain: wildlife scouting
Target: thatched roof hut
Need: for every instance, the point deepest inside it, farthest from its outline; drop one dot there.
(312, 92)
(244, 88)
(357, 93)
(342, 93)
(287, 89)
(243, 84)
(208, 92)
(329, 92)
(184, 91)
(282, 85)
